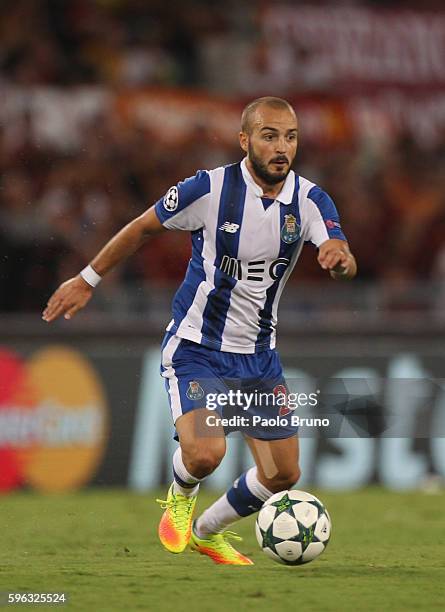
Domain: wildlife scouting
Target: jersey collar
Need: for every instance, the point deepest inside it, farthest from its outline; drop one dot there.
(286, 193)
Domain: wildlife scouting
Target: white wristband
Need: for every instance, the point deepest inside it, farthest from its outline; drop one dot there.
(90, 276)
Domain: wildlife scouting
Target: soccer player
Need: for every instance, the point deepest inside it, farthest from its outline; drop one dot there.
(248, 224)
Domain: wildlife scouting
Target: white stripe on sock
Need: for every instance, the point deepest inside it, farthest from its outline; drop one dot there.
(221, 514)
(184, 475)
(255, 486)
(216, 518)
(186, 492)
(181, 470)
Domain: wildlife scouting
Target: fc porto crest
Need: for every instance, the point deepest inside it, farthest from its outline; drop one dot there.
(290, 232)
(195, 391)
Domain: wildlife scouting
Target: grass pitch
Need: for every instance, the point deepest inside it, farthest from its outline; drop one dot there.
(100, 547)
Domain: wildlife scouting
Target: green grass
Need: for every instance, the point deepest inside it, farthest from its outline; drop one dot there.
(100, 546)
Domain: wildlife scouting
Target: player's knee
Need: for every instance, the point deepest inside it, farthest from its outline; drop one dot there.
(284, 480)
(201, 462)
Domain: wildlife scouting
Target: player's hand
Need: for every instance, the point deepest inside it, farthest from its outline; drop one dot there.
(70, 297)
(334, 255)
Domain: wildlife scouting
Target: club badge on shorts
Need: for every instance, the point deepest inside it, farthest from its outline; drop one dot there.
(195, 391)
(280, 393)
(290, 232)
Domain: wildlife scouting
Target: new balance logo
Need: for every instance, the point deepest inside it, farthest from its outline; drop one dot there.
(231, 228)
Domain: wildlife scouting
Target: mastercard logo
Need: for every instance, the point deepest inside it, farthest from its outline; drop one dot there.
(53, 420)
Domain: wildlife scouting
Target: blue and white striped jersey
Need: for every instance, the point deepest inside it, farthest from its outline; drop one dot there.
(243, 252)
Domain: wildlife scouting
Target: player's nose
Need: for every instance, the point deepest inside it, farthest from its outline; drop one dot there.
(281, 146)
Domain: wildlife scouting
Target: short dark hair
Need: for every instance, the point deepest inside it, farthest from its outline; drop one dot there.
(271, 101)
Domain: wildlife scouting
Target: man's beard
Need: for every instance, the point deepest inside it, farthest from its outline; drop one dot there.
(263, 173)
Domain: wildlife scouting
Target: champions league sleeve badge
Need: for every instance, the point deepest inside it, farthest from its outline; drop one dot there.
(290, 232)
(195, 391)
(171, 199)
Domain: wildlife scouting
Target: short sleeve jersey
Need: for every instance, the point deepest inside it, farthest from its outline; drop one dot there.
(243, 252)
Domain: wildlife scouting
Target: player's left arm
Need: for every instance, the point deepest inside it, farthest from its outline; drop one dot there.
(321, 225)
(334, 255)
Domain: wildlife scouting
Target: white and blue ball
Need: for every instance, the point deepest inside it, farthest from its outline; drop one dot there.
(293, 527)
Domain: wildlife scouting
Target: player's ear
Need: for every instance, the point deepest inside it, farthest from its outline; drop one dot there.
(244, 141)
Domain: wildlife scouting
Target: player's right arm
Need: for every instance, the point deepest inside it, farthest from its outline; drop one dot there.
(184, 207)
(75, 293)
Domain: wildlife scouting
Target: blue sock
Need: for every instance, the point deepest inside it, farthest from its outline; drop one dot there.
(245, 497)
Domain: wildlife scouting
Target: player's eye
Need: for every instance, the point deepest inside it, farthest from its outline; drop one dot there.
(268, 137)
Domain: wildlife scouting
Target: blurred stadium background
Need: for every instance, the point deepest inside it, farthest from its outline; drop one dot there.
(105, 105)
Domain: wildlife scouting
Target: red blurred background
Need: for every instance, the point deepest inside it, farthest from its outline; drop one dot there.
(106, 104)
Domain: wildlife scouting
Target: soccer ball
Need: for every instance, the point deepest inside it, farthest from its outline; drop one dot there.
(293, 527)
